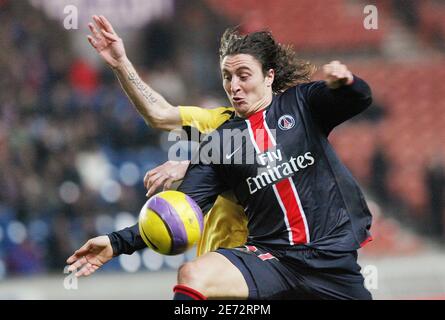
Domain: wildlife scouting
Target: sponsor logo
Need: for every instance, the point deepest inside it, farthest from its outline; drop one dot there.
(272, 174)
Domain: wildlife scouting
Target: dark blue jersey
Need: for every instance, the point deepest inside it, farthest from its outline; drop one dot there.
(282, 169)
(284, 172)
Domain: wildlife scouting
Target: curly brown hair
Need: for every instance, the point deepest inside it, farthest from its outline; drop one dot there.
(289, 70)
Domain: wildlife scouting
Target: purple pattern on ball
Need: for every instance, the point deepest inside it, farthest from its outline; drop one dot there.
(196, 210)
(173, 223)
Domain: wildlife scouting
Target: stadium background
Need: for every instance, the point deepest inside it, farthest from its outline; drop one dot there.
(73, 151)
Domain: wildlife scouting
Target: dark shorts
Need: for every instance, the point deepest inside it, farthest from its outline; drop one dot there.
(298, 274)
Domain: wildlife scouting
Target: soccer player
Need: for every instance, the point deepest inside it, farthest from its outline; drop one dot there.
(225, 225)
(307, 216)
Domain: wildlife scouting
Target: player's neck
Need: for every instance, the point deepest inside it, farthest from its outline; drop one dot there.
(260, 105)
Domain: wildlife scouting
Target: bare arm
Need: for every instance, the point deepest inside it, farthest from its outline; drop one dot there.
(155, 110)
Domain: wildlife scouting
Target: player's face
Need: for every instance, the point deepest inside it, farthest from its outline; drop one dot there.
(248, 89)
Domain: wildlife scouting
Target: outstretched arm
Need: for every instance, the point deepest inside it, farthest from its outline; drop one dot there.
(91, 256)
(155, 110)
(98, 251)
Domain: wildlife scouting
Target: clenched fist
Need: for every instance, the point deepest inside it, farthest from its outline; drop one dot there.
(337, 74)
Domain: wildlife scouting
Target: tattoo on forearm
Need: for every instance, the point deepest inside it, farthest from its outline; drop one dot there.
(143, 89)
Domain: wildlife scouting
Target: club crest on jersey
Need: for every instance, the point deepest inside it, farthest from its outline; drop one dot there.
(286, 122)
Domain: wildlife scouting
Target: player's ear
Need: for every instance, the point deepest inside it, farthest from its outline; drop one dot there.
(270, 76)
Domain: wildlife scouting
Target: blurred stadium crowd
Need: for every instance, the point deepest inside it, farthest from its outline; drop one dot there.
(73, 152)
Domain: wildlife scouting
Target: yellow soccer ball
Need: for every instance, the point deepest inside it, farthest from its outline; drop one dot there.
(170, 222)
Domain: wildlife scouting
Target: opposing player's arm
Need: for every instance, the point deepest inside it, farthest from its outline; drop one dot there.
(153, 107)
(339, 97)
(204, 120)
(166, 176)
(155, 110)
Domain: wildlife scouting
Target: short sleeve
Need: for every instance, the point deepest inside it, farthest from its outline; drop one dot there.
(205, 120)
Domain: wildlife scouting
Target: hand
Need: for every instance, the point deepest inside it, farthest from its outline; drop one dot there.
(106, 42)
(164, 175)
(337, 75)
(91, 256)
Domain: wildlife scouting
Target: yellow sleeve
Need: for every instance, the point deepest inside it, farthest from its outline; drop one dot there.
(205, 120)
